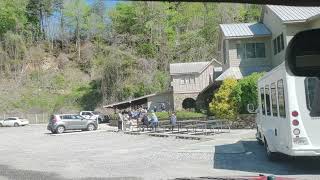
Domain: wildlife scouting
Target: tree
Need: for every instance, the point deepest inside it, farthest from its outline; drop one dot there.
(76, 13)
(12, 15)
(223, 104)
(37, 13)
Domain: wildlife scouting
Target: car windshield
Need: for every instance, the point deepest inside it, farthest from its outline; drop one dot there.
(117, 89)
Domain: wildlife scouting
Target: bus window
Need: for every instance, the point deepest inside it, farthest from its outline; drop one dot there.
(274, 100)
(311, 85)
(281, 99)
(267, 92)
(262, 101)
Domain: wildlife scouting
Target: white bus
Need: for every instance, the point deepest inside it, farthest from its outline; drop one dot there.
(288, 115)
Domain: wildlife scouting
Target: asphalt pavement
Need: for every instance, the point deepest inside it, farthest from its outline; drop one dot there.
(32, 152)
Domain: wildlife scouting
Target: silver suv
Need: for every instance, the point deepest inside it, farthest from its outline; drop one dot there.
(61, 122)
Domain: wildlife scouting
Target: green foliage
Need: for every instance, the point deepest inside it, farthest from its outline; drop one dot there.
(76, 13)
(181, 115)
(223, 104)
(14, 45)
(90, 96)
(250, 13)
(147, 50)
(246, 92)
(232, 97)
(124, 18)
(12, 15)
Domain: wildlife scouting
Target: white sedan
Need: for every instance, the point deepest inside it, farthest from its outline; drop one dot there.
(14, 121)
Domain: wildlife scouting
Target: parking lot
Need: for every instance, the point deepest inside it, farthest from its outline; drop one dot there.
(31, 152)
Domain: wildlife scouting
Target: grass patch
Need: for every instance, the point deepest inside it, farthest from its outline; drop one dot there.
(181, 115)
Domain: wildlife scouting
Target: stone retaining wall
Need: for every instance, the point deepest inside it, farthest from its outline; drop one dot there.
(244, 121)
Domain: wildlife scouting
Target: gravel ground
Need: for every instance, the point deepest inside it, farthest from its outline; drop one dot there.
(31, 152)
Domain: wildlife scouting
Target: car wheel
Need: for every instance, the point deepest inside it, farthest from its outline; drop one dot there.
(16, 125)
(272, 156)
(99, 120)
(60, 129)
(53, 132)
(90, 127)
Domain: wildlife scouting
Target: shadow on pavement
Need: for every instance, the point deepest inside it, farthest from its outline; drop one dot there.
(255, 160)
(17, 174)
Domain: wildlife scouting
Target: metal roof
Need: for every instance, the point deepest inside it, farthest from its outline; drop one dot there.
(188, 68)
(294, 13)
(244, 30)
(239, 73)
(128, 101)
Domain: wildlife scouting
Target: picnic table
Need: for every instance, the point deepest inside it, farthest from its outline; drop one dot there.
(206, 126)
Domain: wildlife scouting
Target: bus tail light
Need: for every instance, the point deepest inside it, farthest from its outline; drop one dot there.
(295, 122)
(294, 113)
(296, 131)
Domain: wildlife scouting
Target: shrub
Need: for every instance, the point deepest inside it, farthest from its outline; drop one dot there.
(223, 104)
(246, 92)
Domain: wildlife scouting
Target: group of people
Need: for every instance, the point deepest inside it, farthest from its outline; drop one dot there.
(128, 118)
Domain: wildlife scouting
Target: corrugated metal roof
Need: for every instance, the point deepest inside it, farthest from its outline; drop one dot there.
(294, 13)
(244, 29)
(188, 68)
(239, 73)
(232, 72)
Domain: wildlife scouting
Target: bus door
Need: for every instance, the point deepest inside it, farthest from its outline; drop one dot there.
(278, 106)
(261, 115)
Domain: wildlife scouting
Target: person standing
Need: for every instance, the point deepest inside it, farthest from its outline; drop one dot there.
(173, 120)
(154, 121)
(120, 120)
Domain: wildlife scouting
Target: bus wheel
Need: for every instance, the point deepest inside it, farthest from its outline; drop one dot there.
(260, 142)
(272, 156)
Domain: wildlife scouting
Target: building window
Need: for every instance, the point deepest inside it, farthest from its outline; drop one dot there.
(281, 99)
(260, 50)
(255, 50)
(275, 46)
(192, 80)
(278, 44)
(239, 51)
(274, 100)
(183, 80)
(250, 50)
(282, 42)
(267, 92)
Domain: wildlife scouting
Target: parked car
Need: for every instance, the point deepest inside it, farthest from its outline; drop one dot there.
(94, 115)
(14, 121)
(60, 122)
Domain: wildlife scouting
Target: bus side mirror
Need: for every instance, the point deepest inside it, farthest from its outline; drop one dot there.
(303, 54)
(251, 109)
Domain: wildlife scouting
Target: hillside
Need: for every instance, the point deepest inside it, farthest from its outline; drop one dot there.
(63, 56)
